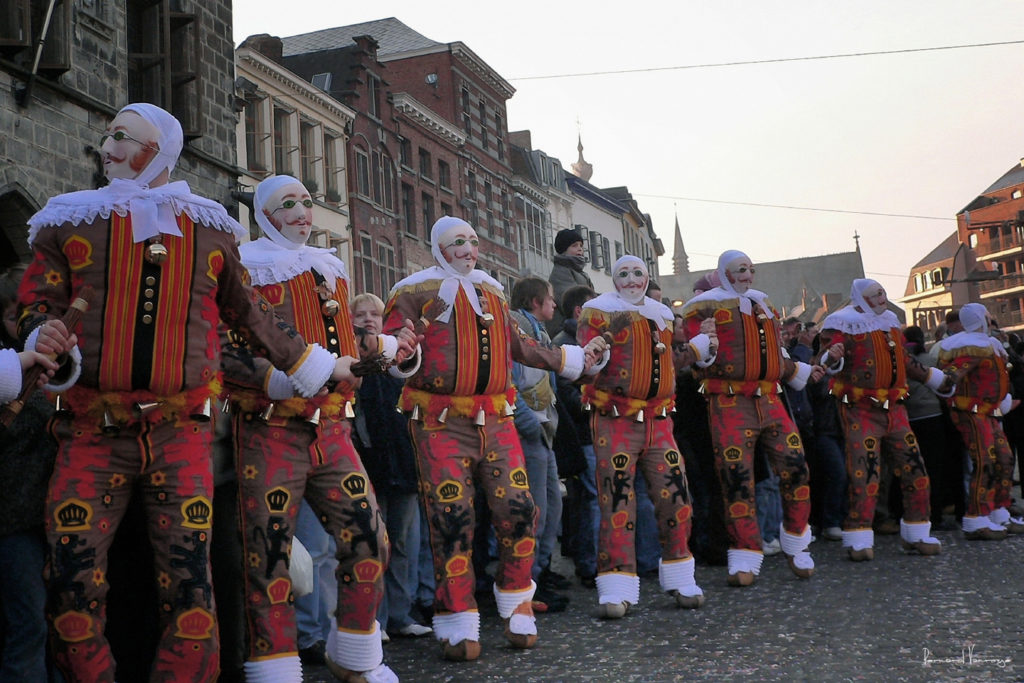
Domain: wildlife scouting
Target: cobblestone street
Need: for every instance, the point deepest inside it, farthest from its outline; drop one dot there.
(953, 617)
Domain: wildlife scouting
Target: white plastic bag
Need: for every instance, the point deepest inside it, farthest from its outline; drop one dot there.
(301, 569)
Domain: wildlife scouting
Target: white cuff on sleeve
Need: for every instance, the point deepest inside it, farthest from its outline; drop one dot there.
(10, 375)
(1006, 404)
(935, 379)
(823, 361)
(314, 372)
(599, 365)
(701, 344)
(279, 385)
(388, 346)
(799, 379)
(573, 360)
(74, 357)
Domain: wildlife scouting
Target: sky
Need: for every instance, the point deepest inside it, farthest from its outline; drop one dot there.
(917, 133)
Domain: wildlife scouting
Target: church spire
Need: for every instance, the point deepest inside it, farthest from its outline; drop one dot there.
(680, 261)
(582, 168)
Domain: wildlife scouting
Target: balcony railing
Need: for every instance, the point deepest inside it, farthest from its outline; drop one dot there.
(1010, 319)
(1005, 282)
(997, 244)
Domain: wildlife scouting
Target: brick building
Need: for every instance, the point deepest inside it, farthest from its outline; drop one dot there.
(430, 138)
(97, 57)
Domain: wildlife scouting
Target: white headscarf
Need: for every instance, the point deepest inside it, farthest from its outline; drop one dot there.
(725, 289)
(852, 321)
(153, 210)
(274, 258)
(612, 302)
(974, 318)
(452, 280)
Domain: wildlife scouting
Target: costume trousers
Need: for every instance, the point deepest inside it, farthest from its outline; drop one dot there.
(91, 486)
(877, 438)
(992, 475)
(453, 459)
(738, 424)
(623, 446)
(278, 464)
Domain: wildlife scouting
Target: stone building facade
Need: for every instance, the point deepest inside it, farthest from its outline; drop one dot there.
(97, 57)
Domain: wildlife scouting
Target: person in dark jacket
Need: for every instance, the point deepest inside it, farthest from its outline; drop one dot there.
(567, 272)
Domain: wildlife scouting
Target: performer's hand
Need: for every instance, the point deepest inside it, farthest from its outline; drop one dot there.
(588, 360)
(836, 353)
(343, 371)
(707, 326)
(713, 339)
(817, 372)
(30, 358)
(408, 340)
(54, 339)
(597, 346)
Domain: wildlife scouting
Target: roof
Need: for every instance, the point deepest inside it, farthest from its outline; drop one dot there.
(943, 252)
(1015, 176)
(392, 37)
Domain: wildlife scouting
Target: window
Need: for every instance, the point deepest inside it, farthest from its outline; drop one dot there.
(426, 170)
(471, 186)
(595, 251)
(366, 261)
(618, 250)
(386, 264)
(282, 142)
(322, 81)
(483, 124)
(604, 254)
(488, 193)
(465, 99)
(21, 22)
(332, 167)
(310, 159)
(1015, 195)
(467, 125)
(255, 134)
(164, 69)
(388, 181)
(377, 177)
(446, 209)
(428, 212)
(444, 174)
(362, 173)
(937, 277)
(531, 228)
(409, 208)
(405, 153)
(373, 96)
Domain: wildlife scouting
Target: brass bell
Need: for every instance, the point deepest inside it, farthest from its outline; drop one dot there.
(205, 411)
(330, 308)
(885, 404)
(663, 414)
(443, 417)
(349, 412)
(109, 427)
(997, 413)
(757, 392)
(778, 388)
(225, 407)
(481, 418)
(510, 409)
(615, 411)
(974, 408)
(314, 419)
(415, 414)
(60, 406)
(846, 399)
(267, 413)
(156, 253)
(703, 388)
(587, 407)
(487, 320)
(731, 392)
(659, 347)
(640, 415)
(143, 408)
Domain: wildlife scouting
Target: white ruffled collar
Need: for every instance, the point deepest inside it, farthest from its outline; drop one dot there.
(851, 321)
(746, 299)
(611, 302)
(980, 339)
(269, 263)
(451, 282)
(153, 210)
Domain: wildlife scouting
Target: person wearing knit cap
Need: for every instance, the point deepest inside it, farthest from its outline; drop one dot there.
(567, 272)
(630, 400)
(746, 410)
(460, 403)
(979, 362)
(291, 448)
(865, 353)
(138, 387)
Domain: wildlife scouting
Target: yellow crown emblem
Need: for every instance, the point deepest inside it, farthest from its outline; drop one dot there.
(195, 624)
(620, 461)
(355, 485)
(73, 515)
(672, 458)
(277, 499)
(196, 513)
(518, 478)
(73, 627)
(368, 571)
(278, 590)
(449, 490)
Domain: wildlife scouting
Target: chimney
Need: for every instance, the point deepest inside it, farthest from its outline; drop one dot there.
(267, 45)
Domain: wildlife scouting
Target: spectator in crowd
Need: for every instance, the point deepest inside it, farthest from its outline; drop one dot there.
(567, 271)
(828, 475)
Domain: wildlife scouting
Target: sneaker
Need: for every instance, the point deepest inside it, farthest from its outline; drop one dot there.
(553, 580)
(384, 637)
(315, 654)
(415, 630)
(832, 533)
(773, 547)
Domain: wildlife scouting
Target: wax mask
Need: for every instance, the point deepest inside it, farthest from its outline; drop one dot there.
(460, 247)
(631, 282)
(290, 210)
(741, 275)
(128, 146)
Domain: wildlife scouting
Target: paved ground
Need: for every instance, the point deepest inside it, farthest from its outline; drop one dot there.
(958, 616)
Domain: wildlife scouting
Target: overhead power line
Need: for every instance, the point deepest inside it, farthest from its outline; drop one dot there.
(780, 60)
(797, 208)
